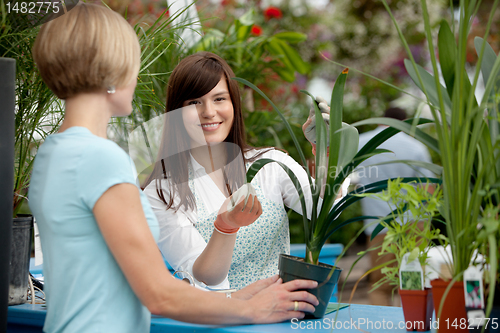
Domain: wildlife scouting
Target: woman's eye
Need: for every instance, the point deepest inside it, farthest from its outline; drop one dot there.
(193, 102)
(220, 99)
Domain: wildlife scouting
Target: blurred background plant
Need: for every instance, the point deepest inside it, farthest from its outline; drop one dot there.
(415, 208)
(254, 37)
(38, 111)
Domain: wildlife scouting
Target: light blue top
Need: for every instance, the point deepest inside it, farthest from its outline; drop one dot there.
(85, 289)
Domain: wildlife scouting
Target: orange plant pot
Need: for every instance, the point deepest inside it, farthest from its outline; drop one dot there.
(453, 312)
(417, 308)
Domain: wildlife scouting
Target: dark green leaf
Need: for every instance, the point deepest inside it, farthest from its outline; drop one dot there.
(430, 85)
(447, 55)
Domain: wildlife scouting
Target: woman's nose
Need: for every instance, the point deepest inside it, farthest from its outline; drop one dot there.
(208, 110)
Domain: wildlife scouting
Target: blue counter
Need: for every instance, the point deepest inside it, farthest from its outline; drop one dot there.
(27, 318)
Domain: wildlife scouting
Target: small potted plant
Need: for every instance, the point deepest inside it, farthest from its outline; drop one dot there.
(467, 139)
(409, 241)
(37, 115)
(332, 169)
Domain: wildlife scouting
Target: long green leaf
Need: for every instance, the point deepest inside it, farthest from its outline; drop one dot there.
(291, 36)
(430, 85)
(348, 144)
(403, 126)
(436, 169)
(489, 58)
(275, 47)
(447, 53)
(351, 197)
(336, 109)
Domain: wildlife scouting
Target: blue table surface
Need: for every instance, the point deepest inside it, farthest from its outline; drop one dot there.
(328, 254)
(29, 318)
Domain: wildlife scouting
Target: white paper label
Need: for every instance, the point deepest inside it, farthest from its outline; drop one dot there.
(242, 193)
(476, 318)
(411, 276)
(473, 288)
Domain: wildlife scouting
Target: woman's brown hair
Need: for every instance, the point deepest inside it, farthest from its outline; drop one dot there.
(194, 77)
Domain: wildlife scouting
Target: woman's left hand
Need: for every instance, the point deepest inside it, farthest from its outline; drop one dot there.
(243, 213)
(252, 289)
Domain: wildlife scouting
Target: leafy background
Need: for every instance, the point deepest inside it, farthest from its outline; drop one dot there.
(357, 34)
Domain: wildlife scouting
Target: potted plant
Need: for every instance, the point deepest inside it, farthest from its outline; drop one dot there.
(413, 235)
(467, 141)
(38, 113)
(331, 171)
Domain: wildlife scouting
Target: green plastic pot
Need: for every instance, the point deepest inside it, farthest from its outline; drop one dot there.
(293, 268)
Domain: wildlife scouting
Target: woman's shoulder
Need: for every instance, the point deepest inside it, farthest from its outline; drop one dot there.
(268, 152)
(154, 185)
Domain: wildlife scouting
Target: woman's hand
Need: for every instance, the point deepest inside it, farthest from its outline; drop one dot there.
(309, 127)
(278, 301)
(245, 212)
(254, 288)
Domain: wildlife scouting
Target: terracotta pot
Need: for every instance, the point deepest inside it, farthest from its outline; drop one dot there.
(293, 268)
(453, 312)
(417, 308)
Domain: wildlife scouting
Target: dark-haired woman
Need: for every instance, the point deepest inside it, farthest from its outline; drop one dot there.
(103, 271)
(188, 191)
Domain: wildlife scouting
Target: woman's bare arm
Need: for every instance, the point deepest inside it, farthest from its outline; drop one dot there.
(122, 222)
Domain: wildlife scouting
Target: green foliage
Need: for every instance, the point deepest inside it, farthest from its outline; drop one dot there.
(160, 53)
(250, 56)
(467, 140)
(411, 280)
(329, 175)
(414, 203)
(38, 111)
(469, 162)
(488, 238)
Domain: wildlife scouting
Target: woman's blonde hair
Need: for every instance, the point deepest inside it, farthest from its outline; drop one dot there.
(88, 49)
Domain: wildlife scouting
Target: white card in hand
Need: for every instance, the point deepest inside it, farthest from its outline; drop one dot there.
(243, 192)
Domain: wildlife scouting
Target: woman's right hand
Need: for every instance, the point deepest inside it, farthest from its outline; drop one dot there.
(244, 213)
(278, 301)
(309, 127)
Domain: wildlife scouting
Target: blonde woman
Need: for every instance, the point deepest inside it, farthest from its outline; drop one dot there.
(103, 271)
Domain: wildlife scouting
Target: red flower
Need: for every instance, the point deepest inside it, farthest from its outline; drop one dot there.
(273, 12)
(256, 30)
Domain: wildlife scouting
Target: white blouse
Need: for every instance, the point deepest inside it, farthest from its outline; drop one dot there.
(181, 243)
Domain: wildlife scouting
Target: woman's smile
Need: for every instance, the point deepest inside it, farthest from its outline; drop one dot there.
(209, 127)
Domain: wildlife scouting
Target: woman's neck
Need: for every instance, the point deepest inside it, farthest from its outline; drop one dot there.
(89, 110)
(211, 157)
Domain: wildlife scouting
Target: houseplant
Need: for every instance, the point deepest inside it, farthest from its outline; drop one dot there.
(415, 207)
(38, 113)
(343, 158)
(467, 140)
